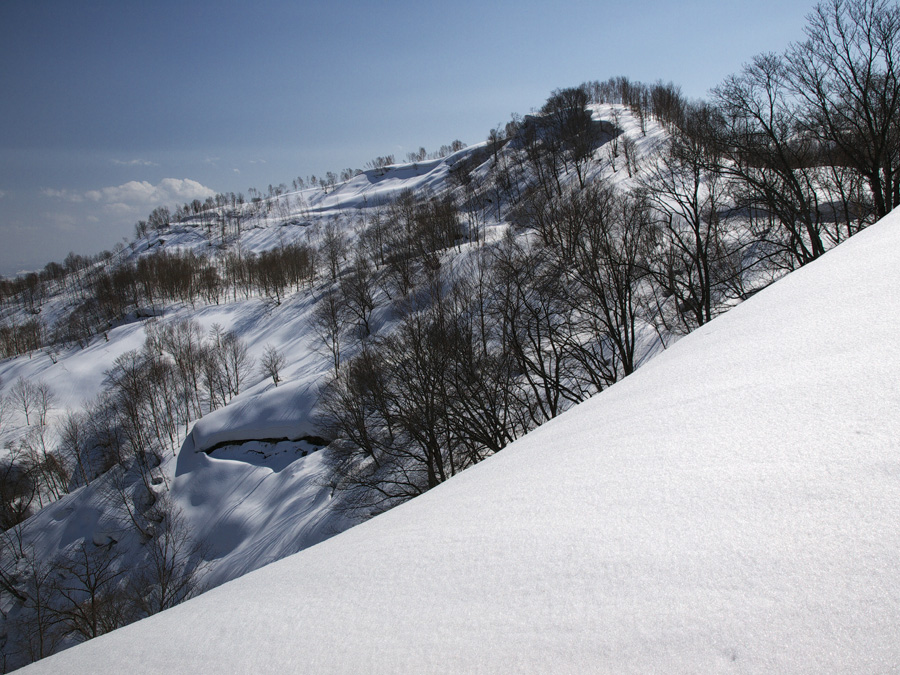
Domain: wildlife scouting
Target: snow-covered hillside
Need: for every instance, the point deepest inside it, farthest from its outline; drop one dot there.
(249, 503)
(731, 507)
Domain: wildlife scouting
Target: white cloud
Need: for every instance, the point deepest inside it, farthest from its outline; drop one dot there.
(133, 162)
(68, 195)
(2, 194)
(169, 191)
(91, 219)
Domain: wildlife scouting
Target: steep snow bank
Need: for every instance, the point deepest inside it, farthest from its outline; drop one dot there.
(257, 501)
(282, 412)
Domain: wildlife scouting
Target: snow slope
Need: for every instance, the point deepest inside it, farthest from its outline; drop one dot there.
(730, 507)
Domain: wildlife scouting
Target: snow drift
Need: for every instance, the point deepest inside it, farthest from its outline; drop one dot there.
(730, 507)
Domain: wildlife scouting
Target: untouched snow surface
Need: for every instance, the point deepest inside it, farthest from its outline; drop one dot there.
(730, 507)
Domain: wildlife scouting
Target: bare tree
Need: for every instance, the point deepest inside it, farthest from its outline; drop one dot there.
(375, 237)
(183, 341)
(12, 550)
(333, 248)
(329, 319)
(391, 408)
(414, 408)
(572, 127)
(238, 362)
(538, 318)
(38, 625)
(92, 597)
(234, 361)
(271, 363)
(27, 397)
(73, 441)
(847, 73)
(174, 564)
(611, 238)
(213, 377)
(45, 400)
(18, 486)
(688, 189)
(773, 160)
(357, 292)
(46, 465)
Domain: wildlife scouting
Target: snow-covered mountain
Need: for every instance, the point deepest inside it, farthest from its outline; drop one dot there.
(730, 507)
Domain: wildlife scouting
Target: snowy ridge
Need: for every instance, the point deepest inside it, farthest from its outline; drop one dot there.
(730, 507)
(379, 185)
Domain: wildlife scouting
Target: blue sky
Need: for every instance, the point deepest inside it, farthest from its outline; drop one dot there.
(109, 108)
